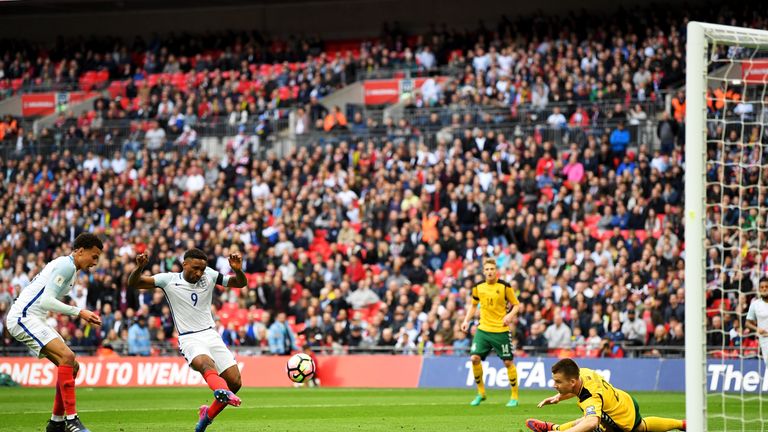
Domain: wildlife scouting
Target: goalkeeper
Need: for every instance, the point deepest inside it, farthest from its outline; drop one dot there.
(606, 408)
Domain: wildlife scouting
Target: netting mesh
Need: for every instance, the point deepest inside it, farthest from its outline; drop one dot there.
(736, 244)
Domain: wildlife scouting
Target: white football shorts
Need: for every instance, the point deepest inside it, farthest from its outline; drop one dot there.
(207, 342)
(32, 332)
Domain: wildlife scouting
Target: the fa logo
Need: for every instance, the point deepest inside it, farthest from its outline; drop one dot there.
(203, 283)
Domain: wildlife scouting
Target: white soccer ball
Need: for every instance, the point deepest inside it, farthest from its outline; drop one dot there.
(300, 368)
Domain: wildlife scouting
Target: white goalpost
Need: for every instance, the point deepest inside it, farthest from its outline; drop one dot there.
(726, 226)
(695, 153)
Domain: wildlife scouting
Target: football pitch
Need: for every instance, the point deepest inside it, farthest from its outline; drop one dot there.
(321, 410)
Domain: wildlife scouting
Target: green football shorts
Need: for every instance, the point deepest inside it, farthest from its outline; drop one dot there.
(484, 342)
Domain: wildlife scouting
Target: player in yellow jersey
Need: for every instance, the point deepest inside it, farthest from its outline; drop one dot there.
(493, 296)
(606, 408)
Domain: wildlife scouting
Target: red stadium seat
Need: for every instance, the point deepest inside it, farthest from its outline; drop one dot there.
(592, 220)
(117, 89)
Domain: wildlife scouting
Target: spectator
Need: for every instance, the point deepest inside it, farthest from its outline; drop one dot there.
(558, 334)
(717, 337)
(537, 340)
(678, 106)
(577, 340)
(230, 335)
(377, 202)
(370, 339)
(594, 341)
(574, 171)
(678, 335)
(634, 329)
(155, 137)
(660, 338)
(138, 338)
(387, 340)
(556, 120)
(426, 58)
(362, 297)
(115, 342)
(615, 334)
(405, 345)
(461, 343)
(674, 309)
(281, 338)
(619, 142)
(335, 120)
(609, 349)
(666, 131)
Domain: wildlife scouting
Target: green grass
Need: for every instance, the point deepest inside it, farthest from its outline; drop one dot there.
(319, 410)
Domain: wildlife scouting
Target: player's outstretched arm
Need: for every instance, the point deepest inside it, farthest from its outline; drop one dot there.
(554, 399)
(50, 302)
(550, 400)
(236, 262)
(136, 280)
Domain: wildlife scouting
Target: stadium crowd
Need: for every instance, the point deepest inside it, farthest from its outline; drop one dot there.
(246, 78)
(373, 242)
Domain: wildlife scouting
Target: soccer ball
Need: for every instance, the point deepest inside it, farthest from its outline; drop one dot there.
(300, 368)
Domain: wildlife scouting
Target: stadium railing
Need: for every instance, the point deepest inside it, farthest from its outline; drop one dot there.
(406, 72)
(644, 133)
(500, 114)
(128, 136)
(169, 349)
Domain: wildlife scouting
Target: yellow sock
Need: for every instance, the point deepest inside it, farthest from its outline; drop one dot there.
(659, 424)
(477, 371)
(566, 426)
(512, 373)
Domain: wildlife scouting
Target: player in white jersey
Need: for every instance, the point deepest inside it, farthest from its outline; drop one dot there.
(757, 317)
(189, 296)
(26, 323)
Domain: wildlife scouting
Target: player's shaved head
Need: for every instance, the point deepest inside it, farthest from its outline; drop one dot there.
(567, 367)
(194, 265)
(195, 253)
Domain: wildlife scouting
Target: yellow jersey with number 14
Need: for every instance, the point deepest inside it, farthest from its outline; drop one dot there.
(493, 299)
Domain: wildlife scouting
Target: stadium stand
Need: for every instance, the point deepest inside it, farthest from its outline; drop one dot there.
(554, 152)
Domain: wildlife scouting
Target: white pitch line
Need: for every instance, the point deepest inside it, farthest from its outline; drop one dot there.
(255, 407)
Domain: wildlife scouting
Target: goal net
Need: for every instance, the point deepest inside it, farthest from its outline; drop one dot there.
(726, 224)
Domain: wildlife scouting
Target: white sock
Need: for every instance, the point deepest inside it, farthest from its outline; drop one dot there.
(71, 416)
(56, 418)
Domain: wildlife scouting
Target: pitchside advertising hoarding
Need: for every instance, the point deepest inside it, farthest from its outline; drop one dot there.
(755, 71)
(382, 371)
(390, 91)
(42, 104)
(627, 374)
(264, 371)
